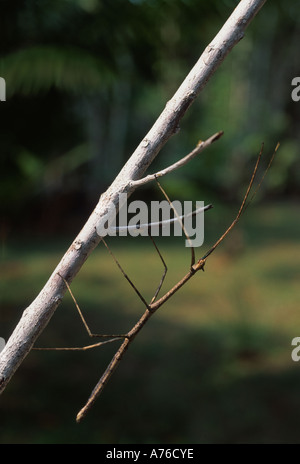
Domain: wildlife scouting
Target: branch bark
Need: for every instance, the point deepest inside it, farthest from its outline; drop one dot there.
(36, 316)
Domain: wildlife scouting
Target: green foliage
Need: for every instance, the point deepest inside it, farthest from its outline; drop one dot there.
(36, 70)
(96, 74)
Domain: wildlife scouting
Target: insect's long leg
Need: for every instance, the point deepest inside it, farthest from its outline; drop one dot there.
(112, 337)
(83, 319)
(81, 348)
(125, 275)
(181, 222)
(164, 273)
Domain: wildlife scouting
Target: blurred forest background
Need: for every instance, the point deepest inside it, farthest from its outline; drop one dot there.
(86, 79)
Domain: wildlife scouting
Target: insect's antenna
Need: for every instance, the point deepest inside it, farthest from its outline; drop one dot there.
(77, 306)
(266, 170)
(125, 275)
(179, 219)
(242, 207)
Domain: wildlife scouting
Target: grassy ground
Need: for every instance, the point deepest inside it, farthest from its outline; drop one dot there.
(212, 366)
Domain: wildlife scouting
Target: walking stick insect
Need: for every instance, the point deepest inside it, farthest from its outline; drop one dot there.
(155, 303)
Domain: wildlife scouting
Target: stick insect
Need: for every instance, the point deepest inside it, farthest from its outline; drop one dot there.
(155, 302)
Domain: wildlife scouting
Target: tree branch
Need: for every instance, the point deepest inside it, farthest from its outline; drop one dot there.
(36, 317)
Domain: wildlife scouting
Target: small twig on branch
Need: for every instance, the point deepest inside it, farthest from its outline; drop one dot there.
(197, 150)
